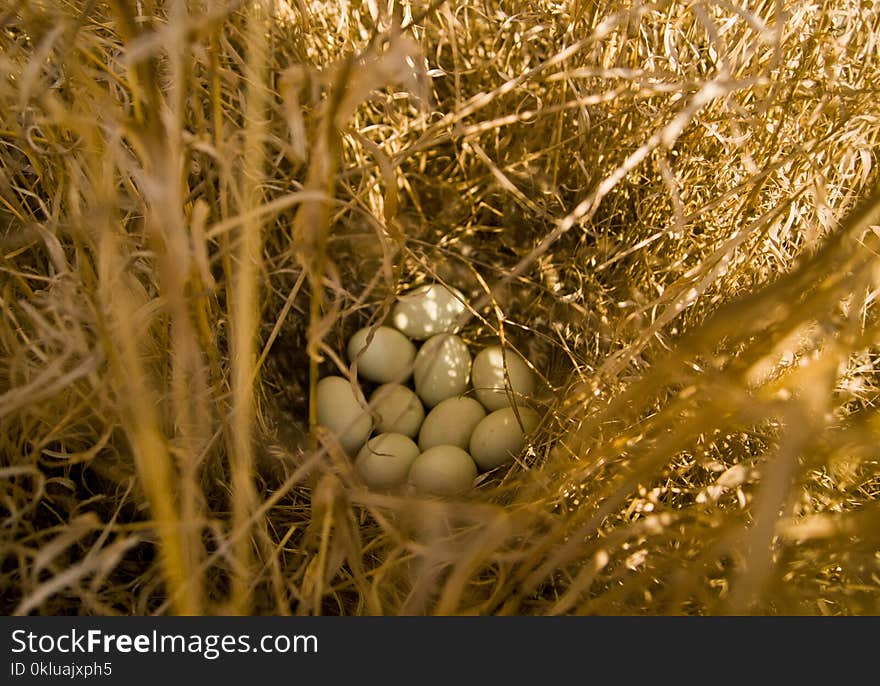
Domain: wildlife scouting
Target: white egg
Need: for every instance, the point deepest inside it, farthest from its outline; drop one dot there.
(499, 438)
(442, 368)
(339, 411)
(451, 422)
(489, 379)
(385, 461)
(398, 409)
(443, 470)
(387, 357)
(428, 310)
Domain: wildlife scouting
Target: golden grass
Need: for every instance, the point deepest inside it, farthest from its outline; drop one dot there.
(671, 209)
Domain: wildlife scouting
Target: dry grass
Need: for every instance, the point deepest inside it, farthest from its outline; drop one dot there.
(671, 209)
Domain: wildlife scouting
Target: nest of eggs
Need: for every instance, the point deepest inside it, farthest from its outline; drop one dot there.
(660, 214)
(457, 437)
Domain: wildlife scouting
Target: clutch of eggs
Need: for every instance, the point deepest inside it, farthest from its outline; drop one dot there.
(439, 415)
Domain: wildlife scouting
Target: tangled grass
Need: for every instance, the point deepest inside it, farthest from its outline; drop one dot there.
(670, 209)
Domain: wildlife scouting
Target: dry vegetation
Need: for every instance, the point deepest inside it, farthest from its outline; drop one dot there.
(670, 208)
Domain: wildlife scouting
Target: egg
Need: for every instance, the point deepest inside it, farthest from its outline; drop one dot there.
(398, 409)
(442, 368)
(443, 470)
(428, 310)
(387, 357)
(385, 460)
(451, 422)
(338, 410)
(489, 379)
(499, 438)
